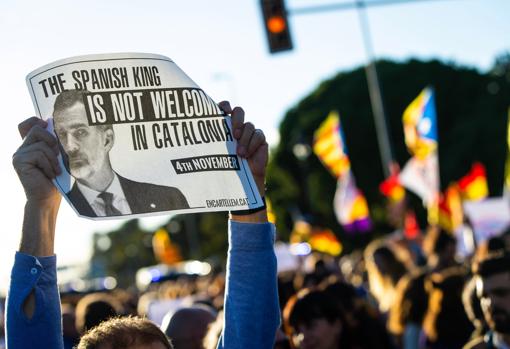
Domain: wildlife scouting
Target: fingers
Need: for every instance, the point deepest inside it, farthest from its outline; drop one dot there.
(237, 122)
(244, 141)
(225, 106)
(39, 155)
(37, 134)
(257, 140)
(249, 139)
(25, 126)
(237, 117)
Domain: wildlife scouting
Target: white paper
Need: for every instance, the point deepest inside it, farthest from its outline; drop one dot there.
(143, 131)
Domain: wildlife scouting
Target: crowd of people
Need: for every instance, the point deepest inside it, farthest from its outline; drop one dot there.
(397, 294)
(390, 297)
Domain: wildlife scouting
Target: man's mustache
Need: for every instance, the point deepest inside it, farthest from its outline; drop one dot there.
(77, 157)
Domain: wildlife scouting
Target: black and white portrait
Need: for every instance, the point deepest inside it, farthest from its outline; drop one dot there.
(98, 189)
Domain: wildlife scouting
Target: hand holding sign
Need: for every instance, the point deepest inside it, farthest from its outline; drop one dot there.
(251, 144)
(36, 162)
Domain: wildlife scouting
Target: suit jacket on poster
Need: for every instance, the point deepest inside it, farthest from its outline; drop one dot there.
(141, 197)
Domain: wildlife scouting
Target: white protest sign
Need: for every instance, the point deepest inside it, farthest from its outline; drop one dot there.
(138, 137)
(489, 217)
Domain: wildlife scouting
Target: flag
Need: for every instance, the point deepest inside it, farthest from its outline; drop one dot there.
(411, 227)
(164, 249)
(507, 168)
(323, 240)
(329, 146)
(421, 176)
(450, 212)
(473, 186)
(271, 216)
(392, 189)
(420, 125)
(350, 206)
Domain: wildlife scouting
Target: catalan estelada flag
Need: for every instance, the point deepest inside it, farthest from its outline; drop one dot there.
(420, 124)
(350, 205)
(473, 186)
(329, 146)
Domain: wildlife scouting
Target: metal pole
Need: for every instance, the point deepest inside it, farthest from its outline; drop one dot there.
(374, 91)
(347, 6)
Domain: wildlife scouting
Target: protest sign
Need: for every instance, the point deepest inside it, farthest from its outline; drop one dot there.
(489, 217)
(139, 137)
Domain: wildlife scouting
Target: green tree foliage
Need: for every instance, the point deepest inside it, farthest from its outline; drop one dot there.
(472, 116)
(121, 252)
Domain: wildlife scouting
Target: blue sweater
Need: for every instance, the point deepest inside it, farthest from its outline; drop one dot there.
(251, 298)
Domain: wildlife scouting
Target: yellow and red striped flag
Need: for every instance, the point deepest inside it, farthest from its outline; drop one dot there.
(350, 205)
(329, 146)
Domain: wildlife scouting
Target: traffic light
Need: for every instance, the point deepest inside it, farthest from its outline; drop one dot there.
(276, 25)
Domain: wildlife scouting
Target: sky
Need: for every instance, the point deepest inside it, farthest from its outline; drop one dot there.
(221, 45)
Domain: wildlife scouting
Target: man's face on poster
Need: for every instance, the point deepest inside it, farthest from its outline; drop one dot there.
(86, 147)
(494, 293)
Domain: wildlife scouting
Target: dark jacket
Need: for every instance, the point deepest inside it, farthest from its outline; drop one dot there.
(141, 197)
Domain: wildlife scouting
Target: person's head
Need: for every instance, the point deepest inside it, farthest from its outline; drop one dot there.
(86, 147)
(93, 309)
(445, 308)
(439, 246)
(69, 330)
(493, 289)
(384, 270)
(312, 319)
(187, 327)
(125, 333)
(410, 305)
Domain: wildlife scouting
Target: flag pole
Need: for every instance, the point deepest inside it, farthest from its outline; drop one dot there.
(374, 90)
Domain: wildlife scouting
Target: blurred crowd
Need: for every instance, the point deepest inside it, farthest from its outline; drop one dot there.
(397, 293)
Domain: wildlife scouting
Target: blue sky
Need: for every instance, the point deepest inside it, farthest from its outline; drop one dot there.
(221, 45)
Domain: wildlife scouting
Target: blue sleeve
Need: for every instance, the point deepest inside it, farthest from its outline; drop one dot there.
(252, 313)
(44, 329)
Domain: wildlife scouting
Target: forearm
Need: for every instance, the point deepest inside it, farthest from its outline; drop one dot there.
(33, 278)
(33, 306)
(251, 297)
(38, 234)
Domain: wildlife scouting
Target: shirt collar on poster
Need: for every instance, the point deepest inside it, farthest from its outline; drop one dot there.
(115, 188)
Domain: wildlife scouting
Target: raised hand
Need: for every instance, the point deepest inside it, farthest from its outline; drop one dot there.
(251, 144)
(36, 162)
